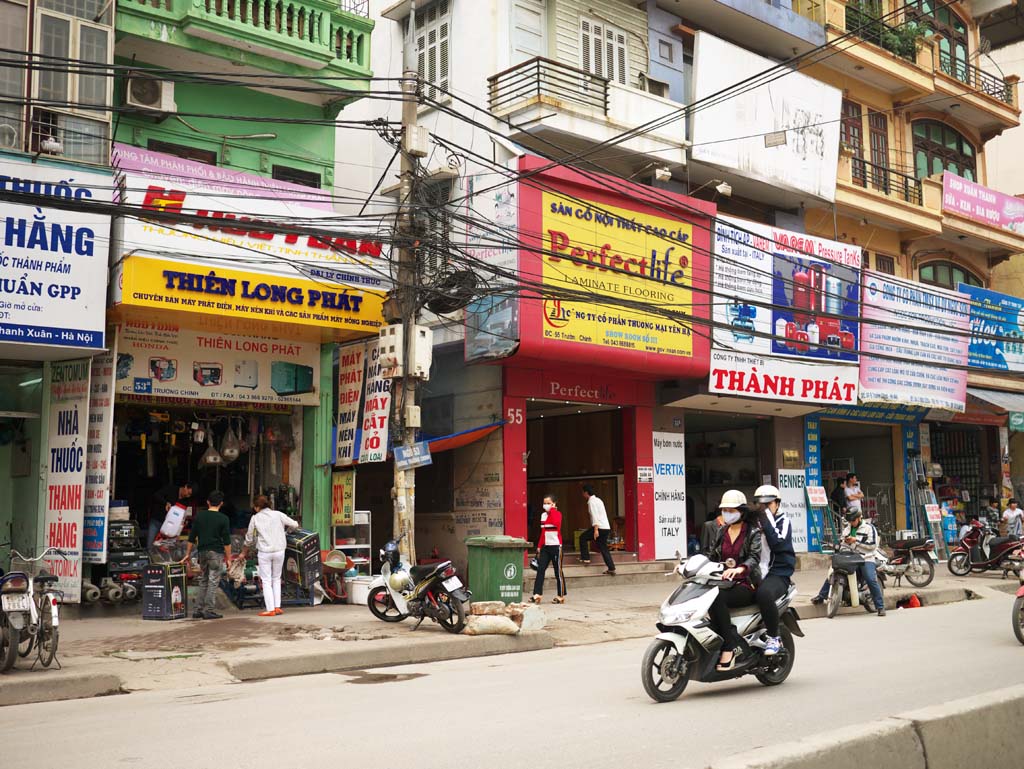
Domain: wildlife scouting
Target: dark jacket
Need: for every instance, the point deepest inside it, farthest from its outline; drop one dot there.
(708, 534)
(750, 554)
(777, 555)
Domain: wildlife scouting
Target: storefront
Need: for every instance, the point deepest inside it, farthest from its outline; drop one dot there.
(223, 372)
(52, 302)
(614, 289)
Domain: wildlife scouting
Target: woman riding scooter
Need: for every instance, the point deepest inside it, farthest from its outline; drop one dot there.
(738, 547)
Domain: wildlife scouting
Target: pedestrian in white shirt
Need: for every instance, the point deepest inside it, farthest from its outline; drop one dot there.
(267, 534)
(853, 494)
(1014, 518)
(599, 532)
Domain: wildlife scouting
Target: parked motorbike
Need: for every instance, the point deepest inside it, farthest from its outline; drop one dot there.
(982, 549)
(31, 609)
(911, 559)
(1018, 614)
(845, 589)
(433, 591)
(686, 648)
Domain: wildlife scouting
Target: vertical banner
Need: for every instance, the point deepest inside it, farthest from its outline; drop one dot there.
(65, 477)
(343, 497)
(98, 460)
(669, 495)
(376, 410)
(794, 506)
(351, 367)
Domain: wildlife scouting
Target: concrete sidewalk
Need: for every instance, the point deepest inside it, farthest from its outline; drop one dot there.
(104, 655)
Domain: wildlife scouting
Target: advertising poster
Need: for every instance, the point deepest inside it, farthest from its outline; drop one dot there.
(168, 360)
(794, 505)
(343, 497)
(98, 456)
(351, 368)
(755, 376)
(373, 445)
(906, 319)
(53, 263)
(669, 495)
(492, 322)
(981, 204)
(233, 203)
(614, 252)
(995, 315)
(66, 445)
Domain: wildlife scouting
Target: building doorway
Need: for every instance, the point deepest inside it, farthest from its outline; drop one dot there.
(866, 449)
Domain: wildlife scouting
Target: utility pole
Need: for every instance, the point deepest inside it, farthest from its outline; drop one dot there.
(406, 308)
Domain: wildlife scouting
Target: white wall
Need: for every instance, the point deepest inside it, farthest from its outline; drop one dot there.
(1003, 157)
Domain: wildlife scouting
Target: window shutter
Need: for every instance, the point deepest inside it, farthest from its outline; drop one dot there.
(604, 51)
(432, 48)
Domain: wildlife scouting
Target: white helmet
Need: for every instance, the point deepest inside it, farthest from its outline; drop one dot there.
(766, 494)
(733, 499)
(399, 580)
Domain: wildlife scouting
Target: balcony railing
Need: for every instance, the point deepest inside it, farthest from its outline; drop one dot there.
(545, 81)
(810, 9)
(859, 22)
(892, 183)
(976, 78)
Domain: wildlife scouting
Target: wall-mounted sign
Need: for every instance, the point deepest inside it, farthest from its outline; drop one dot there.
(997, 328)
(417, 455)
(669, 494)
(351, 370)
(343, 497)
(98, 456)
(757, 376)
(981, 204)
(645, 474)
(166, 360)
(794, 505)
(53, 262)
(817, 496)
(1016, 421)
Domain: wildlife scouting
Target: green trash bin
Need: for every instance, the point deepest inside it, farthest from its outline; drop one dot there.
(496, 567)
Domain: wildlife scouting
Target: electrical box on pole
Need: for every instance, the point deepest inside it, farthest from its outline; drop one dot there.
(393, 349)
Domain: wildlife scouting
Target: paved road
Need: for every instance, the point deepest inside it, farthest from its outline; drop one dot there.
(567, 707)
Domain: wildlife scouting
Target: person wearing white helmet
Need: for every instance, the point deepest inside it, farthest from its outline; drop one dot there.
(778, 562)
(738, 546)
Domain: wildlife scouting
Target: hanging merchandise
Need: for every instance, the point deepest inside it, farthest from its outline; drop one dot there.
(198, 433)
(211, 457)
(243, 438)
(229, 449)
(150, 458)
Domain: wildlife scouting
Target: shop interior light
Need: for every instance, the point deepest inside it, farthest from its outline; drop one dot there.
(30, 382)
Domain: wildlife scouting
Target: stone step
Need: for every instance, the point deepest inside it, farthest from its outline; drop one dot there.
(578, 576)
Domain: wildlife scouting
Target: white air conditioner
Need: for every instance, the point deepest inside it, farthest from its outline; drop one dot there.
(150, 94)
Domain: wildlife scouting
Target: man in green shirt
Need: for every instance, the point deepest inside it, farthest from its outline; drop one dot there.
(212, 531)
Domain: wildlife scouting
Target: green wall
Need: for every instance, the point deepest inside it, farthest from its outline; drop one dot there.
(298, 145)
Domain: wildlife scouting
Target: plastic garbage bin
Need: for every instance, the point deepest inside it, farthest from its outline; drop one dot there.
(496, 567)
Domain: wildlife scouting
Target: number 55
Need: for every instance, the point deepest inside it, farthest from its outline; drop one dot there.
(514, 416)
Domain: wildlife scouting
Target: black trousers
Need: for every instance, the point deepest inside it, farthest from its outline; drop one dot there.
(721, 622)
(549, 554)
(601, 543)
(771, 589)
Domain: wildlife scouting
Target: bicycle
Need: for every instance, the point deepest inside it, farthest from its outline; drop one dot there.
(31, 607)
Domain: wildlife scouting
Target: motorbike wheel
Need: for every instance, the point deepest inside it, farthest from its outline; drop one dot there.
(1018, 619)
(835, 598)
(926, 574)
(382, 606)
(959, 564)
(25, 645)
(456, 620)
(781, 665)
(658, 687)
(48, 635)
(8, 644)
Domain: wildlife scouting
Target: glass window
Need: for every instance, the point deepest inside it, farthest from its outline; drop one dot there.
(55, 42)
(13, 37)
(93, 42)
(948, 275)
(941, 148)
(928, 274)
(81, 9)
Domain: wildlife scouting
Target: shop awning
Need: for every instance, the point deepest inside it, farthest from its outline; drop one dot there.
(1001, 400)
(458, 440)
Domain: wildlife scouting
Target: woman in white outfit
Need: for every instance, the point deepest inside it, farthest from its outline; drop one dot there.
(267, 534)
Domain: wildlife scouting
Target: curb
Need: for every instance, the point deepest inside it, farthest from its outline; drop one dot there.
(389, 653)
(74, 686)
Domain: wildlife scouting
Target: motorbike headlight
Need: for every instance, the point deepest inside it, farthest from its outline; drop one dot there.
(672, 617)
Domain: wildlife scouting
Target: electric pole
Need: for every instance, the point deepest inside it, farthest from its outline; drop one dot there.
(406, 307)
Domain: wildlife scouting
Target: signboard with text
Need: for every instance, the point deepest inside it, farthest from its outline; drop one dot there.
(98, 457)
(982, 205)
(794, 505)
(351, 370)
(997, 329)
(669, 495)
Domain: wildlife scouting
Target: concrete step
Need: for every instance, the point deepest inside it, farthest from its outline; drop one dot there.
(578, 576)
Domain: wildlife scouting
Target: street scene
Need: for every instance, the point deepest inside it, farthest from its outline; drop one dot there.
(593, 373)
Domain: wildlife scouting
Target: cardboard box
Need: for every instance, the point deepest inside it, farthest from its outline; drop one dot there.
(302, 564)
(164, 591)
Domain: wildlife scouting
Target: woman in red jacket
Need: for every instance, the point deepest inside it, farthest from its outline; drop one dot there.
(549, 550)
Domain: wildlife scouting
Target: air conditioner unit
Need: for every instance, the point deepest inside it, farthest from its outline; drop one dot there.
(150, 94)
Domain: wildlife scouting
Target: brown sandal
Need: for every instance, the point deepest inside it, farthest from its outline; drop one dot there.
(536, 599)
(560, 599)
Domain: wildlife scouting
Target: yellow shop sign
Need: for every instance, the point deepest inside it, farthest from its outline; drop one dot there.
(190, 287)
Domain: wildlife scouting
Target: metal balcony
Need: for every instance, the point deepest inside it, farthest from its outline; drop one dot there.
(976, 78)
(550, 82)
(887, 181)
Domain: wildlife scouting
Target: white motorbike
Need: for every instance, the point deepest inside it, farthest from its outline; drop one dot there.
(688, 649)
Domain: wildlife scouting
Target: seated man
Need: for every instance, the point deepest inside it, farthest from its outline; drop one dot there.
(863, 537)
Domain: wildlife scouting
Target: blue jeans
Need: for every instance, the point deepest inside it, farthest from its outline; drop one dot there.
(869, 571)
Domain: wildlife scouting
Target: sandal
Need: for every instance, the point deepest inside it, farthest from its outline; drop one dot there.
(560, 599)
(537, 599)
(725, 667)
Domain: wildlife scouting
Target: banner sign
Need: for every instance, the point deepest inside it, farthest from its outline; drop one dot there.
(995, 315)
(167, 360)
(794, 505)
(373, 445)
(780, 379)
(66, 446)
(233, 204)
(98, 456)
(980, 204)
(891, 415)
(343, 497)
(417, 455)
(669, 495)
(351, 368)
(166, 284)
(785, 293)
(53, 263)
(906, 317)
